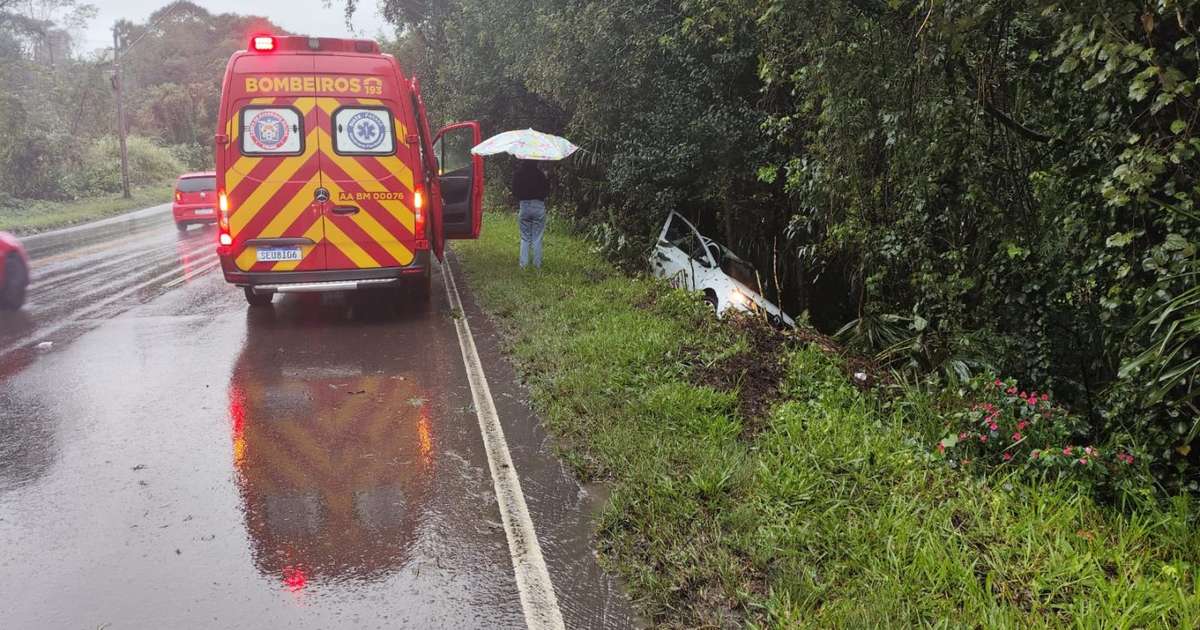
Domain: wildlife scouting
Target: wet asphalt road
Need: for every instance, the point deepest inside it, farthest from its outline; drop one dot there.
(170, 458)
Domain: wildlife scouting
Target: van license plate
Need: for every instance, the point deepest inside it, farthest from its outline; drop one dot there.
(204, 212)
(277, 254)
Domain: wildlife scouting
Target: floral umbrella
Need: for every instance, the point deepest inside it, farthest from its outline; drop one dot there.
(526, 144)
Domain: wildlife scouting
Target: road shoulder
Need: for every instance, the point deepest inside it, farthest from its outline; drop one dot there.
(562, 509)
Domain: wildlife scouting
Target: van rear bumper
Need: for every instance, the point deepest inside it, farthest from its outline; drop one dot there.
(317, 281)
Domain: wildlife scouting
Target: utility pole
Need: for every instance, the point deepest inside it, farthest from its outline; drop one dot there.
(120, 89)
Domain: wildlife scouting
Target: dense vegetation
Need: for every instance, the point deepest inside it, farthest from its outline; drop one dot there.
(818, 510)
(1005, 185)
(58, 121)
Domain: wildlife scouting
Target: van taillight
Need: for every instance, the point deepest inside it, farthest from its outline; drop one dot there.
(223, 219)
(178, 196)
(419, 213)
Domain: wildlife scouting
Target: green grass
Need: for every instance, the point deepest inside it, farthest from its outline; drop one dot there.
(833, 515)
(28, 216)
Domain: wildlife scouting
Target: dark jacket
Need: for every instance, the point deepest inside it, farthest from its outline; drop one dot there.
(529, 183)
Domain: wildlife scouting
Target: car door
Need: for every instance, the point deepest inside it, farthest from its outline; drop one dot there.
(460, 175)
(681, 255)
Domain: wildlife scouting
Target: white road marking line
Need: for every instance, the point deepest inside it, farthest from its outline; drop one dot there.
(533, 577)
(55, 279)
(191, 275)
(75, 317)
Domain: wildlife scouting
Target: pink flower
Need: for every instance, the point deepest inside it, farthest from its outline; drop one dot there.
(1024, 395)
(1045, 396)
(1021, 425)
(1017, 436)
(998, 383)
(1089, 450)
(1032, 401)
(962, 436)
(1011, 390)
(982, 438)
(1007, 456)
(1035, 454)
(941, 448)
(1067, 451)
(1083, 460)
(993, 426)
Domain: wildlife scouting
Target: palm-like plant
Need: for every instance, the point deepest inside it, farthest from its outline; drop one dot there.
(1170, 363)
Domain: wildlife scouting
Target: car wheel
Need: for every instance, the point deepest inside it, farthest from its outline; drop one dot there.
(16, 278)
(710, 299)
(258, 299)
(182, 227)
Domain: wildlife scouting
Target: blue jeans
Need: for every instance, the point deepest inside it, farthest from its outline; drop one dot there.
(532, 219)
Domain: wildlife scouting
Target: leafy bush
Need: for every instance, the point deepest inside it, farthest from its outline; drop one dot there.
(100, 166)
(194, 156)
(1006, 428)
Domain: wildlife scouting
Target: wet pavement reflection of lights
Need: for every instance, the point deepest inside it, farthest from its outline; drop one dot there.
(330, 464)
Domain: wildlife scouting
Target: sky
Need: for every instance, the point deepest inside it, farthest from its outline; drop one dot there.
(306, 17)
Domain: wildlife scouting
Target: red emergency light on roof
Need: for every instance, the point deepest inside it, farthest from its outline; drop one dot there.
(263, 43)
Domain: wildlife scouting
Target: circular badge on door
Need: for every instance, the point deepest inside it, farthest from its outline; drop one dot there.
(268, 130)
(366, 130)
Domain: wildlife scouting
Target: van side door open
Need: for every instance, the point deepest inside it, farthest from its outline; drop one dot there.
(460, 174)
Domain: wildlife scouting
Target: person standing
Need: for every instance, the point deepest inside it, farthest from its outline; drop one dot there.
(530, 187)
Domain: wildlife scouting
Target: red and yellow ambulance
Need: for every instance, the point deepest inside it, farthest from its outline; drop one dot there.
(328, 177)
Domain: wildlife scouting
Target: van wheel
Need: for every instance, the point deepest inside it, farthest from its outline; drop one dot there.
(16, 277)
(258, 299)
(182, 227)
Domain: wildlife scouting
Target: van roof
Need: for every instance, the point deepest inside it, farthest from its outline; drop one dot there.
(308, 45)
(198, 174)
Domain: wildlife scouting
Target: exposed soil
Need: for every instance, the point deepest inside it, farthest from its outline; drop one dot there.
(758, 373)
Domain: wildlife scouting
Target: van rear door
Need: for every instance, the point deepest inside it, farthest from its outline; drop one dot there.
(369, 219)
(272, 167)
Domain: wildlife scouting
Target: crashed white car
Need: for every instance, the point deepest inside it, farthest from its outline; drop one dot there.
(692, 261)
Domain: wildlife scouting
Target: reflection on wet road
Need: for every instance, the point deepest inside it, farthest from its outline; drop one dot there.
(177, 460)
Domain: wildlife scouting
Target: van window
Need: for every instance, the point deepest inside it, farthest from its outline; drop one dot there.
(363, 131)
(453, 152)
(196, 184)
(272, 131)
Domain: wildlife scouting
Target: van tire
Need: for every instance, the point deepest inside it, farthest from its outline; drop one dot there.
(16, 278)
(424, 284)
(182, 227)
(258, 300)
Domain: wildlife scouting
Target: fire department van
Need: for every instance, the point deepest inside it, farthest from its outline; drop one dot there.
(328, 178)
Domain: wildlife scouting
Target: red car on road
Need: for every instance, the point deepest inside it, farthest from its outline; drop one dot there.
(14, 272)
(195, 199)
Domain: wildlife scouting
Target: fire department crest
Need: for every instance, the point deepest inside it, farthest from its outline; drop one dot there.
(268, 130)
(366, 131)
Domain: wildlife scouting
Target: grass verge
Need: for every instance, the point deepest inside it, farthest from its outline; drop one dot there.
(830, 513)
(22, 216)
